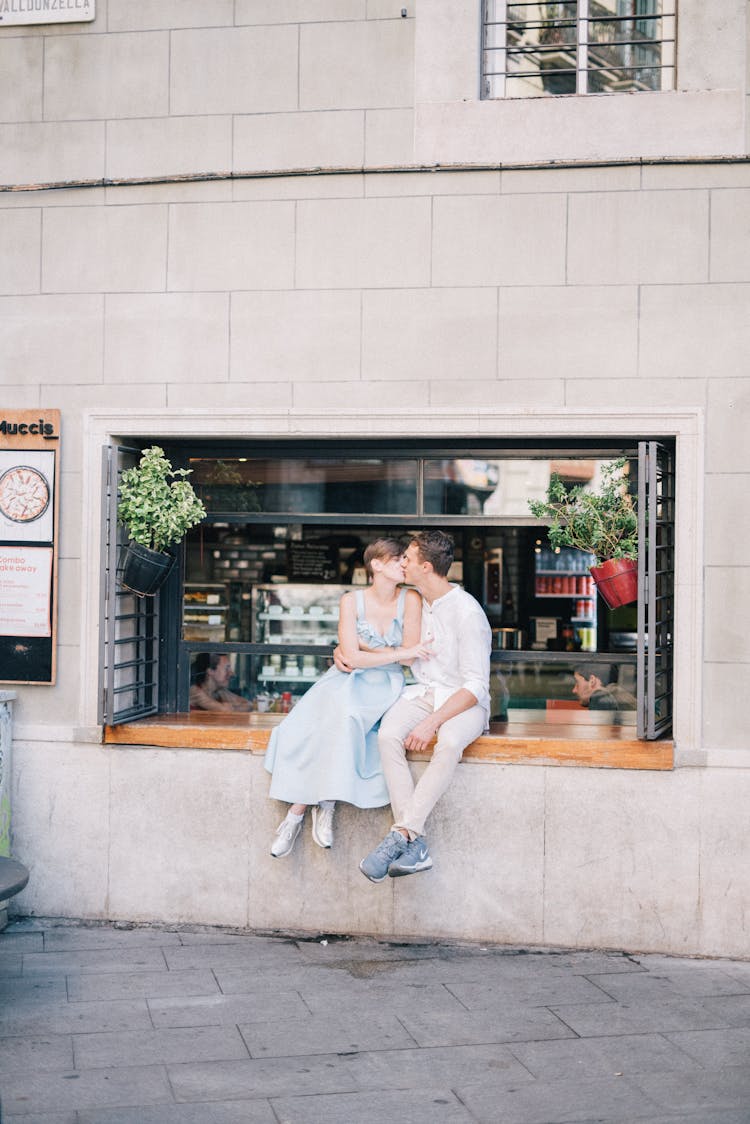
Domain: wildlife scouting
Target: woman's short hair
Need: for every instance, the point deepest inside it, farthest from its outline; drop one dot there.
(381, 549)
(436, 548)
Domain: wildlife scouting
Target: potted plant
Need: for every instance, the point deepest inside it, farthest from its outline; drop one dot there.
(602, 523)
(158, 507)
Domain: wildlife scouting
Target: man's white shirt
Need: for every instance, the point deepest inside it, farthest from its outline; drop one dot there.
(462, 642)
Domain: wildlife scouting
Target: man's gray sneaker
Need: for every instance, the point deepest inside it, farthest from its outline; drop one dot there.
(413, 858)
(375, 865)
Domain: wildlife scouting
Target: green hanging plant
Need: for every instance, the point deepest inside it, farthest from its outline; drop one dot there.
(603, 523)
(157, 505)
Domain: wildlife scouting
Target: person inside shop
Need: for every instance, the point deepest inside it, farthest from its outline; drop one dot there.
(209, 684)
(595, 687)
(325, 750)
(450, 699)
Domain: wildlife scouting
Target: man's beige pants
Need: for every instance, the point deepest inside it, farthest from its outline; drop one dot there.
(412, 803)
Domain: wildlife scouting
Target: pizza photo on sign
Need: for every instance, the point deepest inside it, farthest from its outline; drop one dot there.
(24, 494)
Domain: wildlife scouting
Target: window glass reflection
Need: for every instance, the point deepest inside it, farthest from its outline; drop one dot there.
(587, 693)
(371, 486)
(607, 46)
(499, 487)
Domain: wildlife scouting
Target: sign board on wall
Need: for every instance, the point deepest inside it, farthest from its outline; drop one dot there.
(46, 11)
(29, 474)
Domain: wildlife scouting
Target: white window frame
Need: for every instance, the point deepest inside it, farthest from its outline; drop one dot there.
(704, 117)
(686, 426)
(494, 13)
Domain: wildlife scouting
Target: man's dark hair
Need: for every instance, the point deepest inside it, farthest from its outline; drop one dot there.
(436, 548)
(603, 671)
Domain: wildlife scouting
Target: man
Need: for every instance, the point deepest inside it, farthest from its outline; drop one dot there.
(210, 681)
(593, 689)
(450, 699)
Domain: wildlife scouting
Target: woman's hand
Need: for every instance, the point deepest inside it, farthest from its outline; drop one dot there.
(420, 651)
(340, 662)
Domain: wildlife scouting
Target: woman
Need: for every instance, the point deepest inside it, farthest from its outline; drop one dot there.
(326, 749)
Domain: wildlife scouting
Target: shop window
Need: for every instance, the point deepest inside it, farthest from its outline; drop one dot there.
(306, 486)
(577, 47)
(259, 580)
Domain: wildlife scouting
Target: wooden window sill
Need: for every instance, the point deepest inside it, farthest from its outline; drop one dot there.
(551, 738)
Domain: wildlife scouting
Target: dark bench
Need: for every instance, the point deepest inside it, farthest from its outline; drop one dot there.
(13, 878)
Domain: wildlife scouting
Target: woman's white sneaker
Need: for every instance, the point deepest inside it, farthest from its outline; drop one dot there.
(286, 836)
(322, 823)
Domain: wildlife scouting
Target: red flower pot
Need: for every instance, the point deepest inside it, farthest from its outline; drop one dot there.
(617, 581)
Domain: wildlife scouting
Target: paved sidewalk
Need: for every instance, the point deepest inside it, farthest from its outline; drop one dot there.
(101, 1024)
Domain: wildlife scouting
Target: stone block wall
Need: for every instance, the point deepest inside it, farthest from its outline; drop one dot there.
(620, 286)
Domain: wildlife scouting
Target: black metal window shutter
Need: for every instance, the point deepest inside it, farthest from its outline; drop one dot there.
(129, 630)
(656, 536)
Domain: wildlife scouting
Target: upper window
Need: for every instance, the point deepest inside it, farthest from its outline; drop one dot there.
(577, 47)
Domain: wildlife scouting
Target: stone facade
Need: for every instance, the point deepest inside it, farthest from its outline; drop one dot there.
(236, 209)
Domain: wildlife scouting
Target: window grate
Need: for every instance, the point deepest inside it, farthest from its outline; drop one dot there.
(656, 563)
(129, 687)
(577, 47)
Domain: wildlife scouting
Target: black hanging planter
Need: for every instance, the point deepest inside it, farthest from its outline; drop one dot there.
(143, 571)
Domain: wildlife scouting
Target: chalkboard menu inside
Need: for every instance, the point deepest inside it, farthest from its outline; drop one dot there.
(312, 562)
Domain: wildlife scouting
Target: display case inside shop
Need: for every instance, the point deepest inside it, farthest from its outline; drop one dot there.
(299, 616)
(563, 576)
(204, 612)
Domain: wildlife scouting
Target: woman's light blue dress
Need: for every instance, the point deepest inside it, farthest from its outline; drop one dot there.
(327, 746)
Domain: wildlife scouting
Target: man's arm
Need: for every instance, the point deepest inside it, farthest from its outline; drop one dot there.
(423, 733)
(474, 644)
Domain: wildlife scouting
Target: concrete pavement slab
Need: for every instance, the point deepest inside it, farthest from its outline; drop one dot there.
(150, 1047)
(11, 964)
(162, 1022)
(145, 985)
(601, 1057)
(65, 938)
(351, 995)
(66, 1089)
(585, 1101)
(732, 1010)
(329, 1034)
(229, 1112)
(23, 942)
(328, 950)
(256, 951)
(508, 1024)
(70, 1117)
(716, 1048)
(705, 1116)
(678, 981)
(37, 1053)
(227, 1010)
(24, 991)
(663, 1013)
(272, 1077)
(247, 980)
(73, 1018)
(533, 991)
(94, 960)
(437, 1066)
(439, 1106)
(726, 1088)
